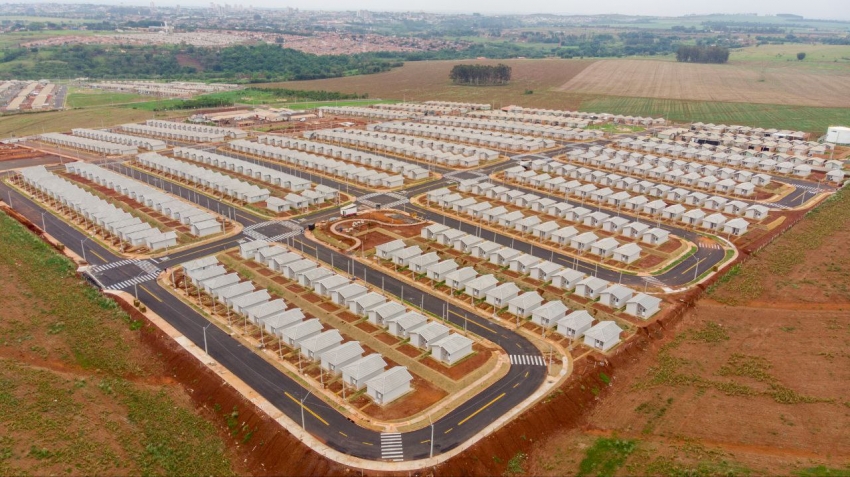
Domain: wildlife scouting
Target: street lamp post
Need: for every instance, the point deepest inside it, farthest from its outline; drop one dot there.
(302, 410)
(432, 435)
(83, 248)
(205, 339)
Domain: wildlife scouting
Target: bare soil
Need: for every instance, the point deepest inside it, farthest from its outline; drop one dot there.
(727, 83)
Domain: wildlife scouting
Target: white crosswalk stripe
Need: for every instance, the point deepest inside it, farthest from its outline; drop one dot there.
(147, 267)
(111, 265)
(132, 281)
(528, 360)
(710, 245)
(654, 282)
(391, 446)
(772, 205)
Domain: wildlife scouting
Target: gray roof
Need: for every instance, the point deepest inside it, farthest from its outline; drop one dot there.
(504, 290)
(365, 366)
(526, 299)
(604, 331)
(453, 343)
(343, 353)
(576, 319)
(552, 309)
(390, 380)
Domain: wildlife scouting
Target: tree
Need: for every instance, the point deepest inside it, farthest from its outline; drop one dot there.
(702, 54)
(480, 74)
(801, 56)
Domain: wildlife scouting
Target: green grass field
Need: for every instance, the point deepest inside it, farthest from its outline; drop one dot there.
(803, 118)
(86, 98)
(14, 38)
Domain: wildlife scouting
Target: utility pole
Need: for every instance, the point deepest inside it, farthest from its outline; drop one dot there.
(205, 339)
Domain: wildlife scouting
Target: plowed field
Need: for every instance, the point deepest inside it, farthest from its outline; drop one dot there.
(727, 83)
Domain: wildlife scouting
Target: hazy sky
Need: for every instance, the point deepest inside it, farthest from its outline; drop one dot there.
(837, 9)
(817, 9)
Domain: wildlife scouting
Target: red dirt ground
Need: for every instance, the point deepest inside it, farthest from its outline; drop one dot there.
(459, 370)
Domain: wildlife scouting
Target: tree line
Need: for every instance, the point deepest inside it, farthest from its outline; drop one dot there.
(702, 54)
(480, 74)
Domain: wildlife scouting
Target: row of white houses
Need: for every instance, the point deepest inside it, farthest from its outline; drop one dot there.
(171, 134)
(748, 131)
(201, 221)
(693, 171)
(307, 192)
(354, 111)
(447, 270)
(425, 149)
(341, 169)
(726, 156)
(306, 336)
(460, 105)
(127, 140)
(112, 220)
(541, 119)
(380, 311)
(230, 133)
(224, 184)
(552, 230)
(539, 130)
(418, 109)
(86, 144)
(495, 139)
(394, 166)
(694, 175)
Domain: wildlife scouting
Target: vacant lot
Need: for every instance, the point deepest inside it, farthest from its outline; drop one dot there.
(728, 83)
(421, 81)
(753, 381)
(79, 393)
(24, 124)
(86, 98)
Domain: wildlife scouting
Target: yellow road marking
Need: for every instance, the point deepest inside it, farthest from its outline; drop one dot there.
(346, 435)
(450, 430)
(693, 266)
(500, 396)
(515, 385)
(306, 408)
(526, 374)
(98, 256)
(798, 196)
(368, 443)
(149, 293)
(425, 441)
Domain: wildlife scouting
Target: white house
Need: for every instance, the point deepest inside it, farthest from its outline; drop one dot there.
(575, 324)
(567, 279)
(451, 349)
(736, 226)
(591, 287)
(643, 305)
(478, 287)
(438, 271)
(499, 296)
(357, 373)
(424, 336)
(381, 313)
(402, 325)
(385, 251)
(615, 296)
(603, 336)
(549, 314)
(457, 279)
(390, 385)
(524, 304)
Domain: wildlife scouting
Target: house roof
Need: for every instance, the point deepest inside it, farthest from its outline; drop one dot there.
(526, 299)
(202, 262)
(365, 366)
(647, 301)
(322, 340)
(303, 329)
(570, 275)
(576, 319)
(482, 281)
(628, 249)
(370, 299)
(409, 320)
(604, 331)
(618, 291)
(594, 283)
(607, 243)
(504, 290)
(394, 245)
(452, 343)
(390, 308)
(343, 353)
(551, 310)
(442, 267)
(351, 290)
(333, 281)
(389, 380)
(431, 330)
(426, 259)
